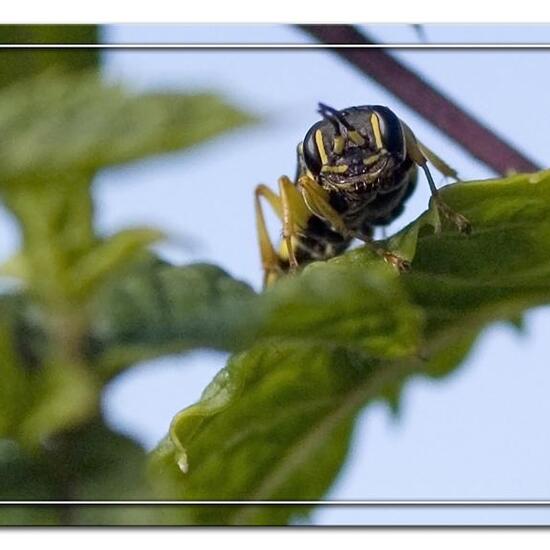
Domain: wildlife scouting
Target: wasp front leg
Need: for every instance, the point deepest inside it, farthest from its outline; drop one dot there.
(420, 154)
(391, 258)
(461, 222)
(292, 211)
(318, 201)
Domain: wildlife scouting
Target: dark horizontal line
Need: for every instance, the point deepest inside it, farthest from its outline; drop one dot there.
(366, 503)
(314, 46)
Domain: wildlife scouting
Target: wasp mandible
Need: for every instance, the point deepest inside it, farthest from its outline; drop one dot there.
(356, 169)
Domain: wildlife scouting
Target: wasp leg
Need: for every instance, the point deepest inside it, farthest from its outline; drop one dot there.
(420, 154)
(317, 200)
(295, 215)
(395, 260)
(270, 259)
(291, 209)
(438, 162)
(462, 224)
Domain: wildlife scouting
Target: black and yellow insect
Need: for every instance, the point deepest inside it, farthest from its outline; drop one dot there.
(356, 169)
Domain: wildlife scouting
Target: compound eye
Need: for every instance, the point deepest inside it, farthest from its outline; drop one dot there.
(391, 130)
(312, 156)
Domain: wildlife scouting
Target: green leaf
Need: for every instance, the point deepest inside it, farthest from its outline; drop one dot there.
(58, 131)
(157, 308)
(14, 382)
(339, 304)
(40, 393)
(107, 258)
(60, 396)
(294, 397)
(22, 478)
(88, 463)
(56, 222)
(160, 308)
(275, 423)
(58, 124)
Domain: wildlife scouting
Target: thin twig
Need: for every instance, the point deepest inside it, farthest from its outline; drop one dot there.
(424, 98)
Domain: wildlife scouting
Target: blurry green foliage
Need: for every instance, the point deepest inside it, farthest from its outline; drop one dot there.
(21, 63)
(109, 467)
(159, 308)
(76, 123)
(60, 124)
(59, 130)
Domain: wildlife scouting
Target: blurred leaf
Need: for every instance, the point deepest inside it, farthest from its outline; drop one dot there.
(289, 403)
(62, 262)
(13, 385)
(21, 63)
(60, 396)
(22, 478)
(157, 308)
(58, 131)
(40, 393)
(160, 308)
(58, 124)
(275, 423)
(518, 322)
(33, 405)
(338, 304)
(89, 463)
(56, 222)
(109, 256)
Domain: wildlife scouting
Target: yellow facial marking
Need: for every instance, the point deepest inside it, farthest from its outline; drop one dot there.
(371, 160)
(375, 123)
(338, 146)
(321, 147)
(356, 137)
(340, 169)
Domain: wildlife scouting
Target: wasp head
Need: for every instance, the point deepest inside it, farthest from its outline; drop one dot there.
(353, 148)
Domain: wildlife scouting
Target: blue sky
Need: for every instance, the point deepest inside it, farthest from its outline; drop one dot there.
(479, 433)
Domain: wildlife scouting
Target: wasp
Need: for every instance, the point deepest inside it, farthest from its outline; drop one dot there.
(356, 169)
